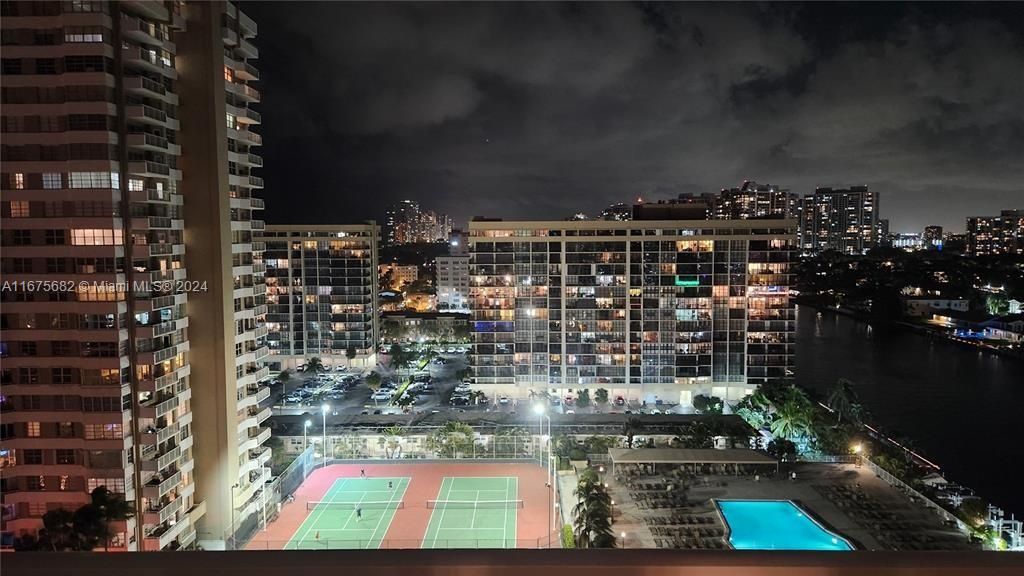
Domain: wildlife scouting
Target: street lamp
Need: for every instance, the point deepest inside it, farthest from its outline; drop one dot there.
(857, 450)
(623, 536)
(325, 408)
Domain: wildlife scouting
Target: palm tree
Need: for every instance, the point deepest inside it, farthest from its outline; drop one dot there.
(792, 416)
(112, 508)
(314, 365)
(841, 398)
(393, 441)
(284, 376)
(350, 353)
(59, 530)
(592, 513)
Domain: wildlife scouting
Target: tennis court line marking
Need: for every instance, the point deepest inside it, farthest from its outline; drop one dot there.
(515, 513)
(472, 519)
(330, 498)
(440, 523)
(504, 517)
(388, 509)
(353, 512)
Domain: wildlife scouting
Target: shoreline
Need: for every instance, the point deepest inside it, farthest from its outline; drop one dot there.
(930, 332)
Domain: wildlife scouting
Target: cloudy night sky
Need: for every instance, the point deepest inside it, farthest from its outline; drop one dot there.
(542, 110)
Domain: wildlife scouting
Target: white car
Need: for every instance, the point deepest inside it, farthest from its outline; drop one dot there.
(381, 395)
(340, 368)
(460, 350)
(503, 400)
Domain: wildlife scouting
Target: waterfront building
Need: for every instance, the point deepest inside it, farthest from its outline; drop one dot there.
(924, 306)
(650, 310)
(322, 293)
(111, 382)
(993, 235)
(845, 220)
(401, 274)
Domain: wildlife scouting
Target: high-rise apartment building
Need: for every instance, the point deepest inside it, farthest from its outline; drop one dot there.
(407, 224)
(322, 293)
(845, 220)
(753, 200)
(932, 236)
(992, 235)
(124, 201)
(650, 310)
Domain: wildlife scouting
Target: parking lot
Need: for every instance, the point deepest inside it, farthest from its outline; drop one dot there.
(347, 392)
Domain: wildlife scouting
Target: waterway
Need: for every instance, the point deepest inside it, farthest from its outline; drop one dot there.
(963, 409)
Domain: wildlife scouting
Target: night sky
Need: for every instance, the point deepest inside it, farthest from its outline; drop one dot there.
(541, 110)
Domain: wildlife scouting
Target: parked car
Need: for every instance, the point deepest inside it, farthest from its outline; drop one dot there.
(570, 411)
(460, 350)
(620, 401)
(503, 400)
(300, 368)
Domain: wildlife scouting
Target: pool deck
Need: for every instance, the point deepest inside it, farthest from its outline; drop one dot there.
(630, 519)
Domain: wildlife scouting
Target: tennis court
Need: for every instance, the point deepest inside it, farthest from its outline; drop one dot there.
(353, 513)
(474, 512)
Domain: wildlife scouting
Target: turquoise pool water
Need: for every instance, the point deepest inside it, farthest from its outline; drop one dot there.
(776, 525)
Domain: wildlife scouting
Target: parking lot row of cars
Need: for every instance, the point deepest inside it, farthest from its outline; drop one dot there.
(324, 387)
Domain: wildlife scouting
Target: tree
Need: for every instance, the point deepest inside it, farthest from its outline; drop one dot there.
(601, 396)
(351, 353)
(793, 416)
(283, 377)
(841, 398)
(600, 444)
(631, 428)
(461, 332)
(463, 373)
(997, 304)
(373, 381)
(315, 365)
(782, 450)
(452, 439)
(696, 435)
(754, 408)
(392, 330)
(707, 404)
(583, 398)
(592, 514)
(568, 538)
(58, 531)
(400, 358)
(393, 441)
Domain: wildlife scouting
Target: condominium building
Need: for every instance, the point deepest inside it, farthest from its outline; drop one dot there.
(399, 274)
(993, 235)
(322, 293)
(649, 310)
(845, 220)
(452, 282)
(113, 373)
(753, 200)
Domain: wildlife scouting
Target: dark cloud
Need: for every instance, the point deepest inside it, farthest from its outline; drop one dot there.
(541, 110)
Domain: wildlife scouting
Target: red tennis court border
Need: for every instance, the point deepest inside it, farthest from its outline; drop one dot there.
(410, 523)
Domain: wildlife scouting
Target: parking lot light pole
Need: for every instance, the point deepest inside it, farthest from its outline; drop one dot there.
(305, 432)
(541, 413)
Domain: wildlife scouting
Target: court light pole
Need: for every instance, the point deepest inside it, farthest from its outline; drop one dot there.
(542, 414)
(325, 408)
(305, 432)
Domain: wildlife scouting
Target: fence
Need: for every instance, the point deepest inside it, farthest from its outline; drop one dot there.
(267, 502)
(428, 447)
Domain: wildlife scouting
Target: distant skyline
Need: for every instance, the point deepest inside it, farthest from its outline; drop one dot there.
(541, 110)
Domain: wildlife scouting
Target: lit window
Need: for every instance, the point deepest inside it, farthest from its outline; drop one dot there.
(135, 185)
(33, 429)
(229, 74)
(51, 180)
(19, 209)
(18, 181)
(231, 120)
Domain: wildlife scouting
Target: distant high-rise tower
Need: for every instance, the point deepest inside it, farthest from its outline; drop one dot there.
(753, 200)
(845, 220)
(932, 236)
(992, 235)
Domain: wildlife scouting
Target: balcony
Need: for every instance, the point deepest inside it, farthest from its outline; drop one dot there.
(262, 415)
(157, 436)
(149, 169)
(254, 160)
(247, 49)
(150, 115)
(248, 116)
(248, 72)
(155, 489)
(255, 182)
(142, 31)
(244, 91)
(156, 408)
(137, 57)
(142, 86)
(167, 458)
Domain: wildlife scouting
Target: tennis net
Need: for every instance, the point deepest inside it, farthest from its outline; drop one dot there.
(474, 504)
(365, 505)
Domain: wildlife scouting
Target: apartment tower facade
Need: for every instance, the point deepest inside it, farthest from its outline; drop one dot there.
(649, 310)
(106, 158)
(322, 293)
(845, 220)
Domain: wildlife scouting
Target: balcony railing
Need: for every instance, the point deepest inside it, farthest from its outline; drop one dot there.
(255, 181)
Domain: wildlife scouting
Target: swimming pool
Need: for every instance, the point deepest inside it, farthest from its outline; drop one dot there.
(776, 525)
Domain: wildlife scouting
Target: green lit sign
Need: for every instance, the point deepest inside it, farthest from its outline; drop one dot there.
(680, 281)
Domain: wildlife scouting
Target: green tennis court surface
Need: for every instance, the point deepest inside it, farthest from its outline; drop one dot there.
(334, 523)
(474, 513)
